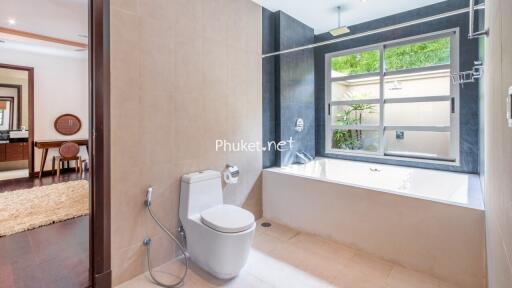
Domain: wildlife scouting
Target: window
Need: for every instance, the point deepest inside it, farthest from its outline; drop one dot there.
(395, 100)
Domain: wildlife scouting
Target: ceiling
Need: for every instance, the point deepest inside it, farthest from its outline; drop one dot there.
(322, 15)
(63, 19)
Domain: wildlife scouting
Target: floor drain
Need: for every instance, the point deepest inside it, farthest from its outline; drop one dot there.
(266, 224)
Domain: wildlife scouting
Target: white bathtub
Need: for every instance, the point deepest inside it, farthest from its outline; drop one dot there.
(427, 220)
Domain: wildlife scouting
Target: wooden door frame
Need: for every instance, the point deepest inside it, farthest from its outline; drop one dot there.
(99, 142)
(30, 71)
(99, 139)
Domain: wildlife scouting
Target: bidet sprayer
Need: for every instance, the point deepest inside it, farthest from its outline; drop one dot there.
(149, 194)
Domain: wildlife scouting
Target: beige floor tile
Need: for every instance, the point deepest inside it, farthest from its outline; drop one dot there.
(364, 271)
(265, 243)
(405, 278)
(447, 285)
(324, 247)
(282, 257)
(371, 266)
(277, 230)
(359, 281)
(244, 280)
(281, 273)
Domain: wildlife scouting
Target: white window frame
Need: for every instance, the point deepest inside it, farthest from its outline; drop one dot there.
(454, 96)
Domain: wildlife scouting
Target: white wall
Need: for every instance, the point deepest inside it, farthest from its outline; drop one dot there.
(60, 86)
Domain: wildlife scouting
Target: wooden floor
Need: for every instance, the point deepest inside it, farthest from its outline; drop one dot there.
(27, 183)
(54, 256)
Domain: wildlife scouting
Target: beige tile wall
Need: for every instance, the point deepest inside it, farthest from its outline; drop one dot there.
(498, 143)
(184, 73)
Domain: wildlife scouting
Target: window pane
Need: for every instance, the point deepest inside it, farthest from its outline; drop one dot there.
(357, 63)
(356, 114)
(436, 83)
(355, 140)
(357, 89)
(423, 54)
(418, 144)
(417, 114)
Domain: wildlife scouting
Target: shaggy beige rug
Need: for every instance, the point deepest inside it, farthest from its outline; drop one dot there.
(26, 209)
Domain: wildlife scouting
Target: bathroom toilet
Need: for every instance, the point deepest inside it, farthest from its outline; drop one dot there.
(218, 236)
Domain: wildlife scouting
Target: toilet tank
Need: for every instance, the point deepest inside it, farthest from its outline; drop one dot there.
(199, 191)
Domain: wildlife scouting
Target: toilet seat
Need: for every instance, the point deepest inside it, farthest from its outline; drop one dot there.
(227, 218)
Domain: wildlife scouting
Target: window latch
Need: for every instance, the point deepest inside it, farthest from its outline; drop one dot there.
(452, 105)
(329, 109)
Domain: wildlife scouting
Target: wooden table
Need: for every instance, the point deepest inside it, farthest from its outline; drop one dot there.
(45, 145)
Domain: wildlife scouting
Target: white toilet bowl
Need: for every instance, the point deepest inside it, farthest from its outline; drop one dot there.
(218, 236)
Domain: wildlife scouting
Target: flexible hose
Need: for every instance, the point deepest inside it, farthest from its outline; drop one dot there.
(148, 246)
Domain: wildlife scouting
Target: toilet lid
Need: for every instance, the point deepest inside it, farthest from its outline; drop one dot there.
(227, 218)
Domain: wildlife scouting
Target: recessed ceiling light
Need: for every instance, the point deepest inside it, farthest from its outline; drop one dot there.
(364, 1)
(11, 21)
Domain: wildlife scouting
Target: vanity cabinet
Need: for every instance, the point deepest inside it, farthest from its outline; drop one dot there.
(13, 152)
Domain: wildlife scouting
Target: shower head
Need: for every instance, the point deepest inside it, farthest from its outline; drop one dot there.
(340, 29)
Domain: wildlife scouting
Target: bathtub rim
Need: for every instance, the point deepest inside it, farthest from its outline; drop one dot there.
(473, 185)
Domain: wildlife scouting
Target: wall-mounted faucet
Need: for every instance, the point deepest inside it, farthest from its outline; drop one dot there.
(303, 157)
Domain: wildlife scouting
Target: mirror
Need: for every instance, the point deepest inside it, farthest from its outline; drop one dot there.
(13, 99)
(6, 114)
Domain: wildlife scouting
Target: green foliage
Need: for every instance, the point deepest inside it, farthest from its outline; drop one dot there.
(359, 63)
(353, 115)
(424, 54)
(434, 52)
(343, 139)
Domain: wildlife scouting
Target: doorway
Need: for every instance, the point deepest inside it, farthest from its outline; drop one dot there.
(97, 229)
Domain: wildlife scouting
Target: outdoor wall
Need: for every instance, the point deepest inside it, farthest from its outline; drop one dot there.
(469, 100)
(498, 139)
(184, 74)
(60, 86)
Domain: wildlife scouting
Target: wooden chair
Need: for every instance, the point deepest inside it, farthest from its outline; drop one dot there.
(68, 151)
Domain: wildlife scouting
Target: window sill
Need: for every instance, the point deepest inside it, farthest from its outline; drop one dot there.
(392, 159)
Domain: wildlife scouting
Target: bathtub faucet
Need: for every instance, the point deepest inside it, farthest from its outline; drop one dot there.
(303, 157)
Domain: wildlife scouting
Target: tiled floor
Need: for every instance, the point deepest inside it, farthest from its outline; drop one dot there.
(54, 256)
(283, 257)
